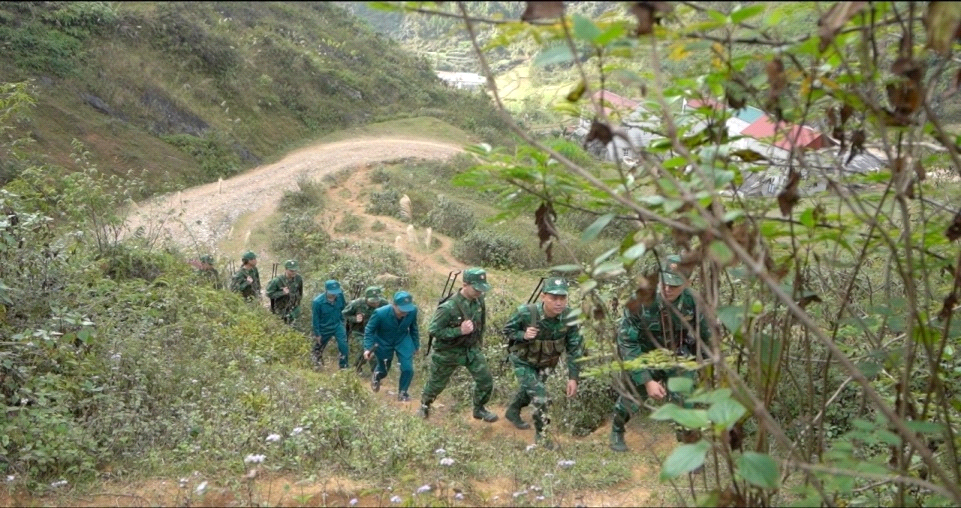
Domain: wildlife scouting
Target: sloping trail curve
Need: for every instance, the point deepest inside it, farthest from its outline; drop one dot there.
(204, 215)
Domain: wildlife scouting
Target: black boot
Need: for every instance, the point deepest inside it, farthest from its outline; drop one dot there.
(513, 415)
(617, 432)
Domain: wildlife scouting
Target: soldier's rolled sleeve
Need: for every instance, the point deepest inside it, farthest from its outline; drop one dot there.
(575, 350)
(517, 324)
(438, 323)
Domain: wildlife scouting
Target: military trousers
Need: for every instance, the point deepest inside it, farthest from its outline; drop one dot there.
(532, 389)
(341, 335)
(443, 363)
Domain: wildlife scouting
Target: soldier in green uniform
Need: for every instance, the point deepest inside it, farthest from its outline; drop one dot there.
(671, 322)
(208, 273)
(247, 280)
(285, 292)
(538, 334)
(458, 327)
(357, 314)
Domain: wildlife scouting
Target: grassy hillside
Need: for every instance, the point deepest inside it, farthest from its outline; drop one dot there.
(191, 92)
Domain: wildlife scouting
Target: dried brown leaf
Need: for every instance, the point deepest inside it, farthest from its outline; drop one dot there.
(832, 21)
(954, 230)
(857, 144)
(648, 14)
(544, 219)
(645, 292)
(789, 197)
(907, 67)
(599, 131)
(948, 307)
(735, 102)
(776, 78)
(846, 111)
(778, 272)
(838, 134)
(919, 171)
(542, 10)
(943, 22)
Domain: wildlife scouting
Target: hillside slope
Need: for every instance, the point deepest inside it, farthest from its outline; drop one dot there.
(191, 92)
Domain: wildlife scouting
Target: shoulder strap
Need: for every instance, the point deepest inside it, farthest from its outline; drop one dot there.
(535, 316)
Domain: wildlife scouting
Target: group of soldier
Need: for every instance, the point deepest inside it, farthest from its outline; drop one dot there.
(538, 334)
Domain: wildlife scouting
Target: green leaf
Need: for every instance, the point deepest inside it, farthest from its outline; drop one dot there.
(635, 251)
(807, 218)
(710, 397)
(585, 29)
(594, 229)
(690, 418)
(680, 384)
(758, 469)
(731, 317)
(554, 55)
(612, 33)
(721, 253)
(684, 459)
(725, 413)
(745, 13)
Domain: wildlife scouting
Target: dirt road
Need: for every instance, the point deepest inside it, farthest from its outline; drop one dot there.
(202, 216)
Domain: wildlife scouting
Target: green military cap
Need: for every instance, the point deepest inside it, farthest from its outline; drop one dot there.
(373, 292)
(670, 273)
(207, 259)
(291, 265)
(477, 278)
(249, 255)
(404, 301)
(555, 286)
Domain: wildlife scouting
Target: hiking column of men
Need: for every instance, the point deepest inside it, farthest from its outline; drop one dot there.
(538, 333)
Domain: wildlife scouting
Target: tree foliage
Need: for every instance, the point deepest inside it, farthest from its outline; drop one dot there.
(832, 305)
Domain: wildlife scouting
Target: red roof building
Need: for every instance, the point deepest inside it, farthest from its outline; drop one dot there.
(786, 135)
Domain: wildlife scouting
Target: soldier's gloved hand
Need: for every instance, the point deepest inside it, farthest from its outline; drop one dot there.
(359, 318)
(466, 326)
(531, 332)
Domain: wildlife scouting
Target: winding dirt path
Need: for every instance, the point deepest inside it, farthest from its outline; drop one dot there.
(202, 217)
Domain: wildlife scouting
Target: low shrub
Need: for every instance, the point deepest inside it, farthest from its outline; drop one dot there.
(486, 247)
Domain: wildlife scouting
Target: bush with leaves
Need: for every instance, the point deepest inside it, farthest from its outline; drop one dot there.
(487, 247)
(451, 218)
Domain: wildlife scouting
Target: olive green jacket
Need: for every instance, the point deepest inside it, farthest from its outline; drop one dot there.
(359, 306)
(247, 289)
(445, 323)
(662, 324)
(556, 335)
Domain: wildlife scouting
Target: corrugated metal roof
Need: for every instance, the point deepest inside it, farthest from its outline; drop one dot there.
(784, 135)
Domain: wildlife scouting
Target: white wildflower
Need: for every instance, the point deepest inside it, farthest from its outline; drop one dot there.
(58, 484)
(115, 357)
(11, 478)
(520, 493)
(530, 447)
(254, 459)
(353, 502)
(459, 496)
(539, 498)
(566, 464)
(423, 488)
(183, 483)
(440, 451)
(535, 488)
(297, 430)
(202, 487)
(447, 461)
(395, 499)
(273, 438)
